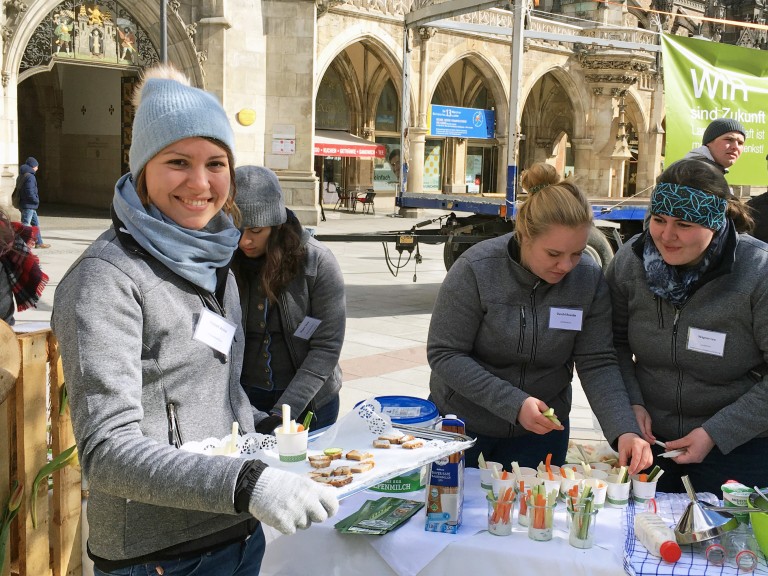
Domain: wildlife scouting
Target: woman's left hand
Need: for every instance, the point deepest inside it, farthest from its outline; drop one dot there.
(697, 444)
(634, 451)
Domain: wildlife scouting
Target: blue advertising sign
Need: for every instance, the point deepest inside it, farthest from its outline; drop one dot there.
(461, 122)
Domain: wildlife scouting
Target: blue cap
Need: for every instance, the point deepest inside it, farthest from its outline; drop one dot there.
(169, 110)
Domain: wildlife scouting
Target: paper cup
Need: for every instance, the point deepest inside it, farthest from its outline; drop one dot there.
(543, 469)
(529, 482)
(526, 471)
(486, 474)
(566, 484)
(292, 446)
(600, 466)
(598, 475)
(599, 489)
(617, 494)
(642, 491)
(499, 486)
(552, 485)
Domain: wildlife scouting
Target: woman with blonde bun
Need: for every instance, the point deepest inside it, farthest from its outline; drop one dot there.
(513, 317)
(148, 322)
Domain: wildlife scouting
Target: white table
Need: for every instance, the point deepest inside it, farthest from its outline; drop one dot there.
(410, 550)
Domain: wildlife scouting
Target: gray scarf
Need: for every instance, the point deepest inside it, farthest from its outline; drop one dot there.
(195, 255)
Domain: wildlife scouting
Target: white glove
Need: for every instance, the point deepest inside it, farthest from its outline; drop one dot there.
(287, 501)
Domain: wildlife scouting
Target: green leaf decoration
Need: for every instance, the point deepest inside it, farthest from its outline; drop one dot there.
(64, 459)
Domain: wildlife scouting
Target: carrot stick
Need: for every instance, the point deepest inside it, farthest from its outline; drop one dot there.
(562, 473)
(548, 463)
(540, 503)
(643, 477)
(504, 475)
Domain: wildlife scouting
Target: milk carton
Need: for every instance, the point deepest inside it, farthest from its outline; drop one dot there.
(445, 489)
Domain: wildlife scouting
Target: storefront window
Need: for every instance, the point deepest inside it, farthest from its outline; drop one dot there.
(433, 165)
(474, 169)
(386, 171)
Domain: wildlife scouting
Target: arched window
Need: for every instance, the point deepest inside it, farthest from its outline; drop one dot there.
(388, 110)
(332, 106)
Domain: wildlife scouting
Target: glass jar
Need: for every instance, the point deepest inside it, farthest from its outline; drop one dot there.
(541, 519)
(581, 531)
(500, 514)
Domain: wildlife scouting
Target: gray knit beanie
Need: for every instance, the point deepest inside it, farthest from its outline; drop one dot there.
(721, 126)
(259, 197)
(168, 109)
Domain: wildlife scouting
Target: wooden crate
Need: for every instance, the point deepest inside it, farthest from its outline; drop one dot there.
(54, 547)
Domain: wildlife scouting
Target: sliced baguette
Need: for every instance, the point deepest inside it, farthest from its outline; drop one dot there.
(362, 467)
(413, 444)
(359, 456)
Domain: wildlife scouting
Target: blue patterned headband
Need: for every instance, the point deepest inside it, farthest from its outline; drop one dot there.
(689, 204)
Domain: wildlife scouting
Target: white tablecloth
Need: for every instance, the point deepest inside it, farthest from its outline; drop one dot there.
(410, 550)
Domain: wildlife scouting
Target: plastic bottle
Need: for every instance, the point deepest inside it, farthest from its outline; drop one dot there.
(740, 545)
(657, 537)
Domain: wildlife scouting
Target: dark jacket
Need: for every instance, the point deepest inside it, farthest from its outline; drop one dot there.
(317, 291)
(490, 345)
(759, 205)
(681, 388)
(28, 196)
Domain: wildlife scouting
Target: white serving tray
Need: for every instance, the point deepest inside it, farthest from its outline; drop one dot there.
(355, 431)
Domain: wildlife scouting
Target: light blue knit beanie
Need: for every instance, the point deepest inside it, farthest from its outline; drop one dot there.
(259, 197)
(168, 109)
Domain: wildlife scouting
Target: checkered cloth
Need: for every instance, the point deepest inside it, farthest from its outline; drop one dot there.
(639, 562)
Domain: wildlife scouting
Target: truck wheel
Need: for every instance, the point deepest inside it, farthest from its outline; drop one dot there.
(452, 250)
(599, 248)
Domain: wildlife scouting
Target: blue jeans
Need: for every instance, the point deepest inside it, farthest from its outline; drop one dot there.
(324, 416)
(239, 559)
(526, 450)
(29, 217)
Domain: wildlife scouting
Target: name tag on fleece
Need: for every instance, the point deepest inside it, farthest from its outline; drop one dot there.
(565, 318)
(215, 331)
(307, 328)
(706, 341)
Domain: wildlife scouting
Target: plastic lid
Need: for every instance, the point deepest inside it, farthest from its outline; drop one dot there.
(670, 551)
(408, 410)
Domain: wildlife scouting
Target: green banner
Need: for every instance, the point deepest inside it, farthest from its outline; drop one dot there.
(705, 80)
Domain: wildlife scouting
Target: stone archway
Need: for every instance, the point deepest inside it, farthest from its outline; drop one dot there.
(47, 88)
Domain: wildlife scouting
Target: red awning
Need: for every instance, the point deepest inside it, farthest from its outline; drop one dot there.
(337, 143)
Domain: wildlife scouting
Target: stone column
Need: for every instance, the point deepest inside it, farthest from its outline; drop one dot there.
(290, 29)
(501, 163)
(650, 144)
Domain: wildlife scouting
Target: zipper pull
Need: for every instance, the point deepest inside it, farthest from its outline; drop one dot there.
(174, 434)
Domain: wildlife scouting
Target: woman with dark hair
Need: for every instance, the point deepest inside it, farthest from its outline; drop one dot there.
(513, 317)
(690, 322)
(292, 296)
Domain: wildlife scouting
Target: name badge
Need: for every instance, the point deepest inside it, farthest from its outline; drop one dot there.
(706, 341)
(307, 328)
(215, 331)
(566, 318)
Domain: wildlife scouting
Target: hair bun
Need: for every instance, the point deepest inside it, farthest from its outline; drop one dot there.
(539, 176)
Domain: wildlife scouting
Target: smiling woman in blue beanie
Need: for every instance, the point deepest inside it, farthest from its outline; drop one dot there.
(292, 295)
(148, 322)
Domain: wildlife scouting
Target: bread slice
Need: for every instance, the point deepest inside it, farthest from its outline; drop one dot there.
(341, 471)
(393, 438)
(413, 444)
(362, 467)
(359, 456)
(340, 481)
(321, 472)
(405, 438)
(322, 479)
(381, 443)
(318, 461)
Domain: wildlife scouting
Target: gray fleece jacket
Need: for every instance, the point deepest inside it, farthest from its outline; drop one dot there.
(317, 291)
(681, 388)
(491, 345)
(125, 323)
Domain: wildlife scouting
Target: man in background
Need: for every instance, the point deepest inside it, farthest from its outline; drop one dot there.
(29, 198)
(721, 144)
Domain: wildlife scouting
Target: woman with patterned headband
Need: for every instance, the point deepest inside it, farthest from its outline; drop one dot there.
(690, 322)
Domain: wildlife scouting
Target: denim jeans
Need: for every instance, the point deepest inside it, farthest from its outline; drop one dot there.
(29, 217)
(239, 559)
(324, 416)
(527, 450)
